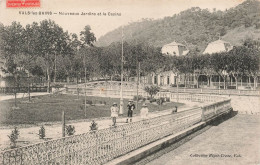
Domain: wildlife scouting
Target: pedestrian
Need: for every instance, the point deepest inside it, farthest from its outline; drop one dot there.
(175, 110)
(131, 108)
(144, 112)
(114, 113)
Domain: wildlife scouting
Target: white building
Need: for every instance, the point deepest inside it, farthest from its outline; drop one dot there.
(218, 46)
(164, 78)
(174, 48)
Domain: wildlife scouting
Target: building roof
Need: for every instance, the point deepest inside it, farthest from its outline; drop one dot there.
(174, 44)
(217, 46)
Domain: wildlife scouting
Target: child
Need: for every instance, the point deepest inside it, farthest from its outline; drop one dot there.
(114, 113)
(144, 112)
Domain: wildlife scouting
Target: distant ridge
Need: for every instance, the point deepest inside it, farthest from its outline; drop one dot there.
(194, 27)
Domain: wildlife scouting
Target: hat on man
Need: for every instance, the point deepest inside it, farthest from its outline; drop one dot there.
(144, 105)
(130, 100)
(114, 103)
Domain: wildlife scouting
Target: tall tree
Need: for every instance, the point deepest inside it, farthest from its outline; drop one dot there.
(87, 37)
(49, 44)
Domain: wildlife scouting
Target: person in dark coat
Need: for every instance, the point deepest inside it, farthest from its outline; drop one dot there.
(131, 108)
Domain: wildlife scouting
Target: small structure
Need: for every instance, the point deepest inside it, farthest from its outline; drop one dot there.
(164, 78)
(175, 48)
(218, 46)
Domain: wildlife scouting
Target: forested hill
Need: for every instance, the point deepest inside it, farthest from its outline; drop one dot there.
(194, 27)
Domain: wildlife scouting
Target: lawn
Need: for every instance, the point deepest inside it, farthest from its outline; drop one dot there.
(49, 109)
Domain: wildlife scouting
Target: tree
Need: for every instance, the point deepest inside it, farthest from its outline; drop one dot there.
(152, 90)
(220, 65)
(87, 38)
(29, 50)
(12, 49)
(49, 44)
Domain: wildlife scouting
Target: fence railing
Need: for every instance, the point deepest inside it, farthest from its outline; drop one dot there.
(218, 91)
(22, 89)
(101, 146)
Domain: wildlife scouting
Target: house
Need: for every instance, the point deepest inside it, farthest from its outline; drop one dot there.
(218, 46)
(175, 48)
(166, 78)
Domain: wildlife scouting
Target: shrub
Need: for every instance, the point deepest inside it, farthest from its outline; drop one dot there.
(152, 100)
(139, 97)
(181, 85)
(70, 130)
(13, 137)
(160, 101)
(152, 90)
(88, 102)
(42, 132)
(174, 85)
(93, 126)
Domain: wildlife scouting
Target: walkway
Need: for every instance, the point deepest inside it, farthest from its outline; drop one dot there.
(233, 142)
(21, 95)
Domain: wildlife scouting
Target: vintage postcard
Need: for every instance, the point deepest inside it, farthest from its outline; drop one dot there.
(130, 82)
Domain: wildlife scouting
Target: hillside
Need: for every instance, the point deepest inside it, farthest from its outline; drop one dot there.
(194, 27)
(238, 35)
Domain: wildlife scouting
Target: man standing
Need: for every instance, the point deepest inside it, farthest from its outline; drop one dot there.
(114, 113)
(131, 108)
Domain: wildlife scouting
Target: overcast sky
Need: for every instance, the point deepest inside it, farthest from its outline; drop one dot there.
(130, 10)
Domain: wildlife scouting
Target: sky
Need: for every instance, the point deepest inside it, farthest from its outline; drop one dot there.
(126, 11)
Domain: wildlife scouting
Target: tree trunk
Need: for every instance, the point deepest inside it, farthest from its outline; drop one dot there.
(236, 82)
(219, 82)
(224, 83)
(210, 81)
(255, 82)
(249, 82)
(55, 69)
(15, 102)
(29, 87)
(49, 80)
(197, 81)
(185, 81)
(208, 78)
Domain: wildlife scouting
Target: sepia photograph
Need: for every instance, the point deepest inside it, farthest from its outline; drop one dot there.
(130, 82)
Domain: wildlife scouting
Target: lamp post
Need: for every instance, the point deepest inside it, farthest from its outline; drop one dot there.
(121, 110)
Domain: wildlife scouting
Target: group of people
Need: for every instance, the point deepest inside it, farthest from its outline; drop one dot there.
(131, 107)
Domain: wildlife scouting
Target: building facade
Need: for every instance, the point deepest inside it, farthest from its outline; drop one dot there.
(174, 48)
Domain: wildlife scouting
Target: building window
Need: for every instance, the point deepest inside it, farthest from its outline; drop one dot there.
(168, 80)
